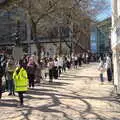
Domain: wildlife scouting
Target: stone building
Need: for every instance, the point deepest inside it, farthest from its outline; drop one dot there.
(100, 37)
(9, 26)
(115, 42)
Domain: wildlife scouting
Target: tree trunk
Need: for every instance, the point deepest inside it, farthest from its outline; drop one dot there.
(28, 33)
(38, 46)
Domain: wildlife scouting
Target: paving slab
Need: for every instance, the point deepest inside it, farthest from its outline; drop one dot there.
(77, 95)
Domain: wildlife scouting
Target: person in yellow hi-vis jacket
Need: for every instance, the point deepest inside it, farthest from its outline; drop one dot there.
(20, 78)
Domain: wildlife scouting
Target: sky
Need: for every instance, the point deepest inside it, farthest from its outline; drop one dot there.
(106, 13)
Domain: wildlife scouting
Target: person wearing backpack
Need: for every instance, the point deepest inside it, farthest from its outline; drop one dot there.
(20, 78)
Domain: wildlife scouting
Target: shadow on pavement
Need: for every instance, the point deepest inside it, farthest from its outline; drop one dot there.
(88, 77)
(8, 103)
(56, 98)
(56, 101)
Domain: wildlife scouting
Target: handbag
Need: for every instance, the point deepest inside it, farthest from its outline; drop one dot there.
(4, 84)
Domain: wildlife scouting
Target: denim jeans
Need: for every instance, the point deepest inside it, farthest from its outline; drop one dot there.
(10, 86)
(10, 82)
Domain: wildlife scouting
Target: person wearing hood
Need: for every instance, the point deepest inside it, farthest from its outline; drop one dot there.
(20, 78)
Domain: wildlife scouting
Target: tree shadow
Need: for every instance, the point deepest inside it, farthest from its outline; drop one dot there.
(56, 101)
(65, 79)
(56, 98)
(8, 103)
(87, 77)
(54, 84)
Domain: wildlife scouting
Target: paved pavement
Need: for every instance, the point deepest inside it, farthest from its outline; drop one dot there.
(77, 95)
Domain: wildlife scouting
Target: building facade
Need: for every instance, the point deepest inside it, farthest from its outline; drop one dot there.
(115, 42)
(100, 37)
(103, 36)
(93, 39)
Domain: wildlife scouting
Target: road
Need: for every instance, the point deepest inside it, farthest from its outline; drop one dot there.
(77, 95)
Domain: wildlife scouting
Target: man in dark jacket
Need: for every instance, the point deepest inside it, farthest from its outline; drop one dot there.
(3, 61)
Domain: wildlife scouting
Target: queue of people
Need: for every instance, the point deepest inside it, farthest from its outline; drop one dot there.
(19, 75)
(58, 65)
(23, 75)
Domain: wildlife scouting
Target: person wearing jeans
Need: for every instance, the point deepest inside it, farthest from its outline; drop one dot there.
(10, 69)
(11, 85)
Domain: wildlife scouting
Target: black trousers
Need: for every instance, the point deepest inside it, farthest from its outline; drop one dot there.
(20, 94)
(59, 70)
(109, 74)
(64, 67)
(55, 73)
(79, 61)
(31, 78)
(1, 75)
(51, 75)
(0, 88)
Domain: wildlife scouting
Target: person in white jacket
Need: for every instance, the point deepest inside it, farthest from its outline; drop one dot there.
(101, 68)
(60, 64)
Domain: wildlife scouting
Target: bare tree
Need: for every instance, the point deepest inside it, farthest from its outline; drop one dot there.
(49, 13)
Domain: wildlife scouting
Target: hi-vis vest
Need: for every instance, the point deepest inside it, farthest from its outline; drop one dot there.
(20, 80)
